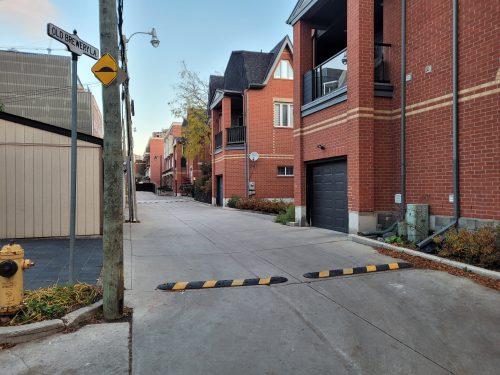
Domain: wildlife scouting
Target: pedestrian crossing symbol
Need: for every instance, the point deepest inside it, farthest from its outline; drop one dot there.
(105, 69)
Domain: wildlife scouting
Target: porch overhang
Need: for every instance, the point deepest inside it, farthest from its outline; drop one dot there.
(307, 9)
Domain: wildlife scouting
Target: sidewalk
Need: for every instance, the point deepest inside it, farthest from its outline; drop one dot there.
(94, 349)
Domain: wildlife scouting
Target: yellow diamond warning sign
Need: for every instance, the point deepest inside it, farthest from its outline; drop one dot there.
(105, 69)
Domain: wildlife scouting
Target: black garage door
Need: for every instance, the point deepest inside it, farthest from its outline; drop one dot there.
(329, 196)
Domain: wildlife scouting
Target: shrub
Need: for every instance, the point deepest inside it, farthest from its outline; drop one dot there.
(246, 204)
(186, 189)
(233, 201)
(287, 216)
(256, 204)
(480, 247)
(396, 240)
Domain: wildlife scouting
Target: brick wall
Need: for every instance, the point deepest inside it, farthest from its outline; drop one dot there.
(429, 121)
(274, 145)
(367, 129)
(155, 150)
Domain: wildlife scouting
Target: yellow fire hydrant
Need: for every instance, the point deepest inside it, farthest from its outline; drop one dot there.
(12, 265)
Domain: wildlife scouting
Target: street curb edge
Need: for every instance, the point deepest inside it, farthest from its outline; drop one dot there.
(452, 263)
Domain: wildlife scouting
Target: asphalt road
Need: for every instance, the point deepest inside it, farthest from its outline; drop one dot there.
(51, 257)
(395, 322)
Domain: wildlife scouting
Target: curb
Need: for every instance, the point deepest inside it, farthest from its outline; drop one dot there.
(28, 332)
(250, 211)
(187, 285)
(79, 316)
(357, 270)
(434, 258)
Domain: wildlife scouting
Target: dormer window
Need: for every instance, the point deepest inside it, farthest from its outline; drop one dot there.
(284, 70)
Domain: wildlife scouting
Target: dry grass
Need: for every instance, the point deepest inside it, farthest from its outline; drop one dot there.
(422, 263)
(54, 302)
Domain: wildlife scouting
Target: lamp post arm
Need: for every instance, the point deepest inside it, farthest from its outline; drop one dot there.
(138, 32)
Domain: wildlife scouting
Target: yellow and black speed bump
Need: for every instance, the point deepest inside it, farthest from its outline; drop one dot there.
(357, 270)
(186, 285)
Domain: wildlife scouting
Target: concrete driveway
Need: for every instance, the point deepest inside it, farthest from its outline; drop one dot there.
(397, 322)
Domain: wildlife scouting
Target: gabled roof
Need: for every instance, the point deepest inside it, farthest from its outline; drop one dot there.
(247, 69)
(214, 83)
(277, 51)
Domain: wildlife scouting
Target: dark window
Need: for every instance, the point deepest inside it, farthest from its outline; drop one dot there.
(285, 171)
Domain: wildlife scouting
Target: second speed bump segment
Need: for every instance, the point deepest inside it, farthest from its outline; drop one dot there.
(357, 270)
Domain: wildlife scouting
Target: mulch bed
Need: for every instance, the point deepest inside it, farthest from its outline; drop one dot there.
(422, 263)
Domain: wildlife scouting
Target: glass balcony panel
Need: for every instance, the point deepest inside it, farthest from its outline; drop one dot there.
(218, 140)
(382, 63)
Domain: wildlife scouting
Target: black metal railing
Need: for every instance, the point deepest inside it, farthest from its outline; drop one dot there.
(236, 135)
(326, 78)
(218, 140)
(382, 55)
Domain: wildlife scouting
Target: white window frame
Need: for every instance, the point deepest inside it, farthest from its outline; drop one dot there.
(284, 70)
(288, 170)
(279, 123)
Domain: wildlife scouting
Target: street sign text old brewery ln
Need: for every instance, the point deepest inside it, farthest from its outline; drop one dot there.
(74, 44)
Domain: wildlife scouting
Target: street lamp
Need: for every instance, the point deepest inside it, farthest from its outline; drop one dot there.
(132, 202)
(155, 42)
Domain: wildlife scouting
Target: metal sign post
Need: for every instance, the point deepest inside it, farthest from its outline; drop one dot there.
(77, 48)
(72, 212)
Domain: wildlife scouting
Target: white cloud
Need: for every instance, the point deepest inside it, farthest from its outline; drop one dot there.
(29, 17)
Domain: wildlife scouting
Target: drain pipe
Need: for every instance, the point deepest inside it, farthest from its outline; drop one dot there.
(403, 109)
(456, 170)
(247, 171)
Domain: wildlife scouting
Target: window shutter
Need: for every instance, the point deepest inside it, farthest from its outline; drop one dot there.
(285, 108)
(277, 114)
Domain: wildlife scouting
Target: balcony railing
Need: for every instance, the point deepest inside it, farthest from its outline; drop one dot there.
(331, 76)
(236, 135)
(218, 140)
(326, 78)
(382, 63)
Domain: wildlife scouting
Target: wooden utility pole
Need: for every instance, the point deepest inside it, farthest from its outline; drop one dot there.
(113, 172)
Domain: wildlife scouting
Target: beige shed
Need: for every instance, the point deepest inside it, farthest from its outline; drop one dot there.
(35, 180)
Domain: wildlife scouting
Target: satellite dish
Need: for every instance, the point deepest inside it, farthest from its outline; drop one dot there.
(254, 156)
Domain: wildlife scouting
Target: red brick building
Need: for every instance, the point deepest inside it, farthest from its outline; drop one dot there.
(349, 121)
(174, 165)
(153, 157)
(252, 113)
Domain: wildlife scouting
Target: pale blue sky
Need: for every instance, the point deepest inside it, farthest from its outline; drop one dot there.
(201, 32)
